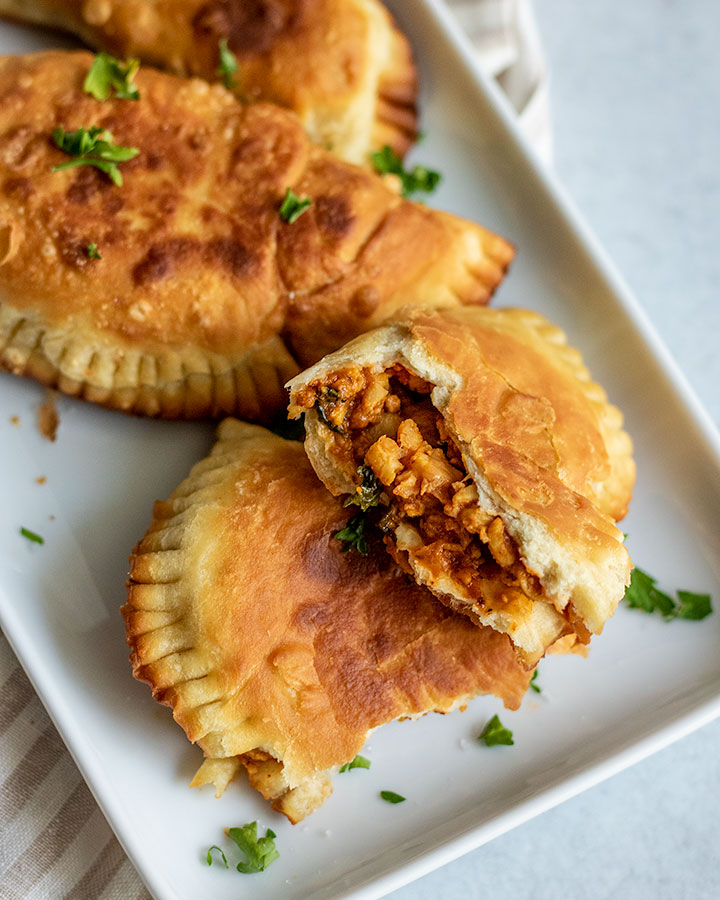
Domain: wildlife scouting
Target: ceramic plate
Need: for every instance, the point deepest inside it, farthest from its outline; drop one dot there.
(645, 683)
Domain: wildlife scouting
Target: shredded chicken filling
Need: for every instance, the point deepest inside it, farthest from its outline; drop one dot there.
(386, 421)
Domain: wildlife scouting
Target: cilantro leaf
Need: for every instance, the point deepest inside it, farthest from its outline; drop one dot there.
(643, 594)
(293, 207)
(353, 535)
(367, 493)
(360, 762)
(228, 64)
(533, 685)
(93, 147)
(92, 251)
(260, 852)
(31, 536)
(209, 856)
(419, 178)
(392, 797)
(107, 74)
(693, 606)
(496, 733)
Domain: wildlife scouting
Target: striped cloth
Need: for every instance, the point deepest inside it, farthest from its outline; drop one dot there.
(55, 841)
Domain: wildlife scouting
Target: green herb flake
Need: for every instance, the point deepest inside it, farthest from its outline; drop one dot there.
(419, 178)
(643, 594)
(109, 74)
(322, 415)
(293, 207)
(533, 683)
(392, 797)
(693, 606)
(92, 251)
(360, 762)
(329, 396)
(353, 535)
(31, 536)
(228, 64)
(367, 493)
(259, 852)
(496, 733)
(209, 856)
(93, 147)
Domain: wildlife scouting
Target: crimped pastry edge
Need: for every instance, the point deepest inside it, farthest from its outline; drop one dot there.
(172, 383)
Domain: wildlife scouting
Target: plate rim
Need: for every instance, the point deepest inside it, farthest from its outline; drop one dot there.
(656, 738)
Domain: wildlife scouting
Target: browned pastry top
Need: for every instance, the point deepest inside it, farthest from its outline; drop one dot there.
(196, 260)
(526, 394)
(341, 65)
(244, 615)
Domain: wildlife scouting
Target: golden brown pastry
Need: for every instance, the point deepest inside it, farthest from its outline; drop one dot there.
(277, 651)
(503, 467)
(204, 299)
(341, 65)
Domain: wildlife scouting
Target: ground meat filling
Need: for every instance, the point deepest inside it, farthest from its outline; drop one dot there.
(386, 422)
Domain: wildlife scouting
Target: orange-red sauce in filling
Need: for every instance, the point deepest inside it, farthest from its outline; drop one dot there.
(386, 420)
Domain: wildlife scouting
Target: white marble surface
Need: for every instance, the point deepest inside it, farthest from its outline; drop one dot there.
(636, 94)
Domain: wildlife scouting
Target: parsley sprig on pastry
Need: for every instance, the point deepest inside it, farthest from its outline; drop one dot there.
(277, 652)
(503, 465)
(206, 300)
(342, 65)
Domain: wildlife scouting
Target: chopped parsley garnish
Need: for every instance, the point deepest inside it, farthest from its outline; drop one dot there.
(228, 64)
(360, 762)
(92, 251)
(367, 493)
(93, 147)
(496, 733)
(353, 535)
(693, 606)
(209, 856)
(293, 207)
(110, 74)
(642, 593)
(533, 685)
(419, 178)
(31, 536)
(392, 797)
(259, 852)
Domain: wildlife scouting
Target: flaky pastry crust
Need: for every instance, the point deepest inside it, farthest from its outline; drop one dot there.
(276, 651)
(544, 449)
(204, 301)
(341, 65)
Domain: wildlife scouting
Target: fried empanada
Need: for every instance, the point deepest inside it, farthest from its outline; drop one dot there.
(341, 65)
(277, 651)
(183, 293)
(502, 465)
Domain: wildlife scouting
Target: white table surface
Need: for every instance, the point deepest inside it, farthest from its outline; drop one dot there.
(636, 109)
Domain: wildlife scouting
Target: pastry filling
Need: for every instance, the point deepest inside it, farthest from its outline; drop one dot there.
(388, 435)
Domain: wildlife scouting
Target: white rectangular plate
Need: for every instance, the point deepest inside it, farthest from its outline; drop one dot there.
(644, 684)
